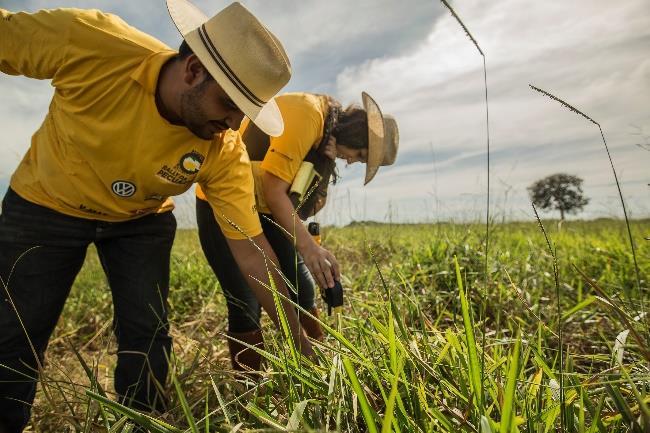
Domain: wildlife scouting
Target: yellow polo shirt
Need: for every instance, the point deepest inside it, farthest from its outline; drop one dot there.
(103, 151)
(304, 117)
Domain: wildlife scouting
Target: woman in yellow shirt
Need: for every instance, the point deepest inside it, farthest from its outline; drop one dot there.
(318, 130)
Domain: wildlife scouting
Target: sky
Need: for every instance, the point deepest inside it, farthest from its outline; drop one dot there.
(418, 64)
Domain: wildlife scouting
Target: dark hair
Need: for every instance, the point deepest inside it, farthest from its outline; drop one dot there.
(352, 128)
(184, 51)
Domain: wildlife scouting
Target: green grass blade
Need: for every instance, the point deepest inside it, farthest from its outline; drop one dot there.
(282, 317)
(509, 403)
(579, 306)
(622, 405)
(296, 416)
(184, 405)
(222, 404)
(118, 426)
(366, 410)
(390, 404)
(207, 412)
(236, 428)
(485, 425)
(154, 425)
(473, 362)
(264, 417)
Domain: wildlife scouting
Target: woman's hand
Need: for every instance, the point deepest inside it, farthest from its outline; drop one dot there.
(322, 264)
(330, 148)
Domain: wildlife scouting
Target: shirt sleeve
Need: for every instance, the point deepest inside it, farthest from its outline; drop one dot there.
(34, 45)
(227, 183)
(302, 129)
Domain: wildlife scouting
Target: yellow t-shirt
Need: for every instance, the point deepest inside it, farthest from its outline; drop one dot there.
(103, 151)
(304, 116)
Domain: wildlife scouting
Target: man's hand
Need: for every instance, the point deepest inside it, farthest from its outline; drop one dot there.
(321, 263)
(252, 263)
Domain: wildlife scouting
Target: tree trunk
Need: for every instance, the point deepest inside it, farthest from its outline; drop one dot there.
(561, 214)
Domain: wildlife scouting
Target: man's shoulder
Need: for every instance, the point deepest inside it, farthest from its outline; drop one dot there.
(229, 142)
(298, 100)
(226, 157)
(227, 147)
(95, 26)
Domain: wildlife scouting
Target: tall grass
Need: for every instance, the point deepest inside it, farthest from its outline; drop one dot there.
(558, 300)
(402, 357)
(487, 158)
(618, 185)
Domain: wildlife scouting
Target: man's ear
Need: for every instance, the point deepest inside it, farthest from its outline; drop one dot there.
(193, 72)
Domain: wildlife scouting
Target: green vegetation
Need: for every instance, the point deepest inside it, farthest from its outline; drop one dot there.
(423, 344)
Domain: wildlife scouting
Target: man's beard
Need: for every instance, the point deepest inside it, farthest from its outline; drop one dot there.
(192, 115)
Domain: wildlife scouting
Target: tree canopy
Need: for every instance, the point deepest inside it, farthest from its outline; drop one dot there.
(559, 191)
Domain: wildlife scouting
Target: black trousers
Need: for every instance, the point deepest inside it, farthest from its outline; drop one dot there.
(41, 252)
(243, 309)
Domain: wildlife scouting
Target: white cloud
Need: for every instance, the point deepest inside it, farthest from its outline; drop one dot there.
(422, 68)
(23, 106)
(592, 53)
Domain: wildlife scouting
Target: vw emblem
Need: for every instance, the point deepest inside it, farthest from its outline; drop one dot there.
(123, 188)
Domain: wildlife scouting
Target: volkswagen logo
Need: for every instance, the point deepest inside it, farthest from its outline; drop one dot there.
(123, 188)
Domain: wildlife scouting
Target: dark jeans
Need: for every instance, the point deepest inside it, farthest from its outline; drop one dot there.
(41, 252)
(243, 309)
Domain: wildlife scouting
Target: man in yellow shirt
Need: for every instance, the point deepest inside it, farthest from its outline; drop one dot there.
(317, 130)
(130, 124)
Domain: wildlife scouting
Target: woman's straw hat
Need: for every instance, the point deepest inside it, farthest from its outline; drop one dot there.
(242, 55)
(383, 138)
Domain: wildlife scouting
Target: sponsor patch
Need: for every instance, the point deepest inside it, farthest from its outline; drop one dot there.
(183, 172)
(123, 188)
(171, 174)
(190, 163)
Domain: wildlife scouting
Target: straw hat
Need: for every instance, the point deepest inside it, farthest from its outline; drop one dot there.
(242, 55)
(383, 138)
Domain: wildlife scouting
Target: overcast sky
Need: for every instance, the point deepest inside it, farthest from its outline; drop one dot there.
(416, 61)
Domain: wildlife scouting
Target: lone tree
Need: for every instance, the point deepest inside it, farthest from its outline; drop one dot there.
(559, 191)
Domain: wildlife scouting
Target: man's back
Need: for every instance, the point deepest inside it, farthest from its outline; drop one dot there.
(103, 151)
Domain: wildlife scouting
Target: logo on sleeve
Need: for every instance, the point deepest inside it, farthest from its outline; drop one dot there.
(190, 163)
(123, 188)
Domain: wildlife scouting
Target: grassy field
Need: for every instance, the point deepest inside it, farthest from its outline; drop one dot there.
(425, 343)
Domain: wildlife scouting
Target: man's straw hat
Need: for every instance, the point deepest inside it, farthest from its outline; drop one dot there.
(242, 55)
(383, 138)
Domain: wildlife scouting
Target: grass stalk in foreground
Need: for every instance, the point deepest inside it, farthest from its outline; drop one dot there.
(473, 363)
(414, 367)
(618, 185)
(487, 207)
(559, 318)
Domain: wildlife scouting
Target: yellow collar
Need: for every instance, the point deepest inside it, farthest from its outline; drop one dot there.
(149, 70)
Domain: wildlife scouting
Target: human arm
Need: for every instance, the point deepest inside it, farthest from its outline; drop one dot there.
(304, 118)
(34, 44)
(254, 257)
(321, 263)
(227, 184)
